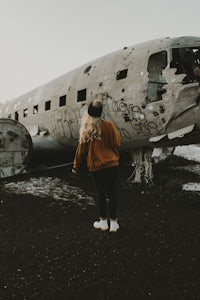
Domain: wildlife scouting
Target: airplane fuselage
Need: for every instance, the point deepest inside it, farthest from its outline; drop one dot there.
(150, 91)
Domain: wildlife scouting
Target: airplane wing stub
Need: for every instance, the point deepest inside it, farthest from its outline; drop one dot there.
(15, 147)
(174, 134)
(180, 132)
(155, 139)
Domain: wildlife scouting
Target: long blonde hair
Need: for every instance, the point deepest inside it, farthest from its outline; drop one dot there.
(90, 126)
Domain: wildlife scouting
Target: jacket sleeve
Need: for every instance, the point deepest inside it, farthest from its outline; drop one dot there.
(80, 154)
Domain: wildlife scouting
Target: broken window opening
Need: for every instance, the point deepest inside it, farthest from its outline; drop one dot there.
(187, 61)
(87, 69)
(25, 112)
(16, 115)
(35, 109)
(81, 95)
(62, 101)
(48, 105)
(157, 63)
(122, 74)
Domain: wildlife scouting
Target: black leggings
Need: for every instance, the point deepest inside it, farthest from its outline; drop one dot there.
(106, 186)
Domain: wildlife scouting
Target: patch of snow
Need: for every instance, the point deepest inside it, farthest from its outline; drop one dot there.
(50, 186)
(190, 152)
(191, 186)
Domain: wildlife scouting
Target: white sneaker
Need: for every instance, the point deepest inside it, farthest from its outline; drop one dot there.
(102, 224)
(114, 226)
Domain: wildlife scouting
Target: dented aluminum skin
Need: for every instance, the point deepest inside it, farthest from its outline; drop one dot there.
(150, 91)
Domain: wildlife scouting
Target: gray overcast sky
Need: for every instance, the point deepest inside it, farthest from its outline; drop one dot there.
(43, 39)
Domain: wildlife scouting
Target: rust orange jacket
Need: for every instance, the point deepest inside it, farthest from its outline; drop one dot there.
(102, 153)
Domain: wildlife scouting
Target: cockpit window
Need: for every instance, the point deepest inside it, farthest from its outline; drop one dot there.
(187, 61)
(156, 64)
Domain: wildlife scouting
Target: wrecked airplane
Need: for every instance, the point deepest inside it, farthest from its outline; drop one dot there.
(150, 91)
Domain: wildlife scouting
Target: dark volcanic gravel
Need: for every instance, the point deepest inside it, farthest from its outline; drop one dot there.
(49, 249)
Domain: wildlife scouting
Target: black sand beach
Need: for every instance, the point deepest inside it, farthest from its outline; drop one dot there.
(49, 249)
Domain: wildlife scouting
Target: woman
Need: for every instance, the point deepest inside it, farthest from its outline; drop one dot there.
(98, 140)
